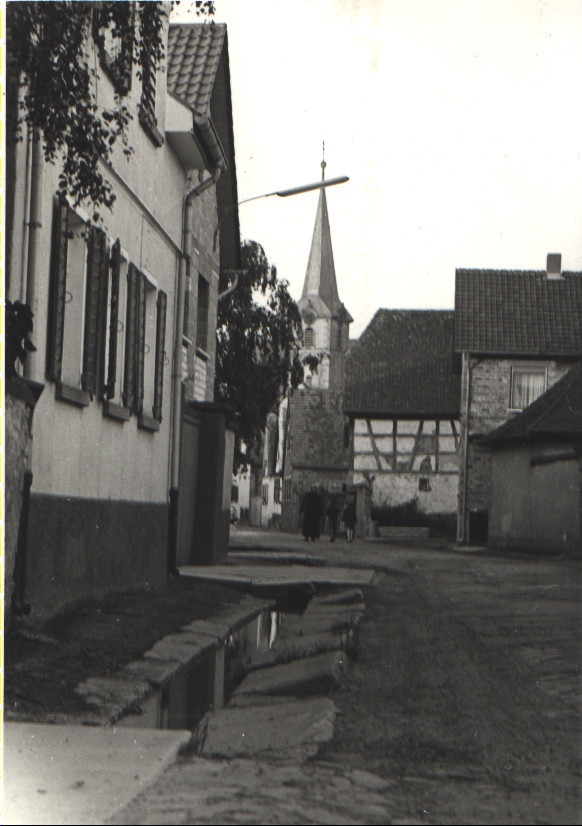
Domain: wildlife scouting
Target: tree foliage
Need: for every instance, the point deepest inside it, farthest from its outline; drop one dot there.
(51, 60)
(257, 359)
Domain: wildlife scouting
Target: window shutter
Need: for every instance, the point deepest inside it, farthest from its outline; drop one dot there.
(58, 284)
(140, 342)
(130, 338)
(95, 309)
(160, 354)
(113, 320)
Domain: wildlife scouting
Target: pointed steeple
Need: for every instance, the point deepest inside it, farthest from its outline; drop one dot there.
(320, 280)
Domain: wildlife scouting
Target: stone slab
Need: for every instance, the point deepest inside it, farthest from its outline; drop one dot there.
(217, 628)
(279, 575)
(310, 675)
(180, 647)
(107, 693)
(79, 774)
(296, 727)
(345, 596)
(155, 671)
(294, 646)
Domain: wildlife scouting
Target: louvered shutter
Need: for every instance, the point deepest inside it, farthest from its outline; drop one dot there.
(160, 354)
(140, 342)
(113, 320)
(58, 285)
(95, 309)
(130, 338)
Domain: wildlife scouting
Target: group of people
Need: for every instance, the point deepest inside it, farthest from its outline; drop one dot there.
(339, 513)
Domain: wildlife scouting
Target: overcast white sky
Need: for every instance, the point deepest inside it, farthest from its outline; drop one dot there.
(458, 122)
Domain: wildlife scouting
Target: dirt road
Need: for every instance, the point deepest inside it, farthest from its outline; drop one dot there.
(467, 692)
(464, 706)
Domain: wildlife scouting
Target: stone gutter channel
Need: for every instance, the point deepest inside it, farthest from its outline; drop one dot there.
(281, 708)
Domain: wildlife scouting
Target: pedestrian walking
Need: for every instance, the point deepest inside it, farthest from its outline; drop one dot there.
(312, 509)
(333, 511)
(349, 519)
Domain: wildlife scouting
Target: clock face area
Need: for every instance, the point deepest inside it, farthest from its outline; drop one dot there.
(309, 315)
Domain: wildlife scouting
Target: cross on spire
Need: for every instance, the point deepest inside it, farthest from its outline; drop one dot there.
(323, 164)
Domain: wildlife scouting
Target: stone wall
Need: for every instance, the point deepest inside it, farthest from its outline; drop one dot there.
(489, 406)
(17, 458)
(397, 488)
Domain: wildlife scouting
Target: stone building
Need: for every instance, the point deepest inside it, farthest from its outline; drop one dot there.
(517, 333)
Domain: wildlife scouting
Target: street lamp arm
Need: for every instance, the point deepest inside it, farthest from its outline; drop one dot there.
(284, 193)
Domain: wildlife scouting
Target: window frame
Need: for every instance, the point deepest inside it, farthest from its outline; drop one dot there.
(90, 287)
(147, 104)
(526, 369)
(119, 67)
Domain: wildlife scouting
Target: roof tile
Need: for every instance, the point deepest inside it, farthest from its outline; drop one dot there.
(403, 366)
(518, 312)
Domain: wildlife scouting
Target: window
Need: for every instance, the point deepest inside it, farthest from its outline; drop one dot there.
(309, 337)
(424, 484)
(77, 305)
(113, 39)
(144, 348)
(527, 383)
(147, 105)
(202, 313)
(277, 490)
(265, 494)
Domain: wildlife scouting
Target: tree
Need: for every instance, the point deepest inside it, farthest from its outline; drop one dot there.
(53, 81)
(257, 358)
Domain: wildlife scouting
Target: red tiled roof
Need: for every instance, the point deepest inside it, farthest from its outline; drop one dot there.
(514, 312)
(402, 367)
(317, 424)
(194, 52)
(556, 414)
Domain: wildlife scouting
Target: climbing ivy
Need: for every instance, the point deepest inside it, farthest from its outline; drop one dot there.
(52, 69)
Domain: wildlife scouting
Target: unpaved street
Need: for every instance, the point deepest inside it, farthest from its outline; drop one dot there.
(463, 706)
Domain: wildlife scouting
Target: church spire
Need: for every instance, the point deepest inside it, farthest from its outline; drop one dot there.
(320, 280)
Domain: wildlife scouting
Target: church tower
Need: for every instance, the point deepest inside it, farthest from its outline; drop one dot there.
(326, 321)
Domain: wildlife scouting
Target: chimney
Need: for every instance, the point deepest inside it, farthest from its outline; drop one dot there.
(554, 266)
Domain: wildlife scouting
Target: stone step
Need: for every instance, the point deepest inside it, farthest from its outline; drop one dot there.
(316, 674)
(292, 729)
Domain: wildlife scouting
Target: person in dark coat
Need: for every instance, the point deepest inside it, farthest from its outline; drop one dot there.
(312, 510)
(333, 511)
(349, 519)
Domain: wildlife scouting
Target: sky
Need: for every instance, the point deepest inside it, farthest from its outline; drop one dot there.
(458, 123)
